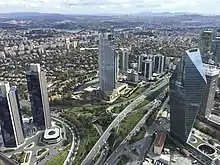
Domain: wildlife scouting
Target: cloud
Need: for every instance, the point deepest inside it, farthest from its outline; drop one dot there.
(110, 6)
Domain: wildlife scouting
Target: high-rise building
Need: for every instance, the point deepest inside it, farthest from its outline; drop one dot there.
(148, 69)
(10, 116)
(141, 58)
(124, 60)
(205, 43)
(159, 63)
(37, 88)
(212, 74)
(187, 89)
(67, 43)
(216, 50)
(107, 63)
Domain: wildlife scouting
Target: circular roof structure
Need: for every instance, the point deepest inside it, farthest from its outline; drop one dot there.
(52, 133)
(207, 149)
(193, 139)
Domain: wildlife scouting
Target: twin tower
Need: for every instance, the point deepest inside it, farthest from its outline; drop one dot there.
(10, 116)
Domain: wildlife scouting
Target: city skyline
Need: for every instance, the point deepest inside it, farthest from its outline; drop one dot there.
(109, 7)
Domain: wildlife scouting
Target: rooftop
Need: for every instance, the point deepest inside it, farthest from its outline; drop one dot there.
(160, 139)
(211, 70)
(52, 133)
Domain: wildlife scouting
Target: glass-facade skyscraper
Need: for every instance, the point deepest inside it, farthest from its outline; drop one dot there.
(36, 82)
(187, 89)
(107, 63)
(10, 116)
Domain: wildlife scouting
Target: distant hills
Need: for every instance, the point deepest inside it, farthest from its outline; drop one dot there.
(30, 15)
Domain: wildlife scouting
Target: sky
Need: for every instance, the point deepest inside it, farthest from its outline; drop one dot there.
(110, 6)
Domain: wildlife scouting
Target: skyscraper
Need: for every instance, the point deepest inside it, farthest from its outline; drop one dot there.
(36, 81)
(107, 63)
(141, 58)
(124, 60)
(10, 116)
(216, 50)
(187, 89)
(159, 63)
(212, 74)
(148, 69)
(205, 43)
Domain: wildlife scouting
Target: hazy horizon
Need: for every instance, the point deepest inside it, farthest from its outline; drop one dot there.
(110, 6)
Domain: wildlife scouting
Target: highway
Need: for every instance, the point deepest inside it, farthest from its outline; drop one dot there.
(93, 152)
(132, 133)
(113, 157)
(75, 141)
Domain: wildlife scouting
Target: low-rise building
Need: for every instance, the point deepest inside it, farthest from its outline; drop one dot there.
(159, 142)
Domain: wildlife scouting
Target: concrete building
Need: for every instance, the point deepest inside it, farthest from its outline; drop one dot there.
(107, 63)
(37, 88)
(124, 60)
(159, 142)
(11, 120)
(52, 135)
(67, 43)
(132, 75)
(159, 63)
(141, 58)
(212, 74)
(216, 50)
(147, 68)
(187, 89)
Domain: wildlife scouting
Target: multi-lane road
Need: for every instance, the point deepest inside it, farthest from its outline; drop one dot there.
(74, 146)
(102, 141)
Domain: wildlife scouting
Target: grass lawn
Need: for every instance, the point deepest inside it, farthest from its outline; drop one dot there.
(128, 124)
(142, 104)
(138, 136)
(60, 158)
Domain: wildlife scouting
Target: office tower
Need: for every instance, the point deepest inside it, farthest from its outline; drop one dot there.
(216, 50)
(162, 64)
(141, 60)
(124, 60)
(37, 88)
(107, 63)
(148, 69)
(159, 63)
(205, 43)
(187, 89)
(212, 74)
(10, 116)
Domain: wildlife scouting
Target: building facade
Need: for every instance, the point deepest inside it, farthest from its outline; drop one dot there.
(205, 43)
(36, 81)
(107, 63)
(10, 116)
(187, 89)
(212, 74)
(124, 60)
(216, 50)
(148, 69)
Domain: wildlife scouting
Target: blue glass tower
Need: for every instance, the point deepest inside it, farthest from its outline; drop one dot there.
(187, 89)
(37, 89)
(10, 117)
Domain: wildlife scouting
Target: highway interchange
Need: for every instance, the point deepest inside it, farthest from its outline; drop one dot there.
(102, 141)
